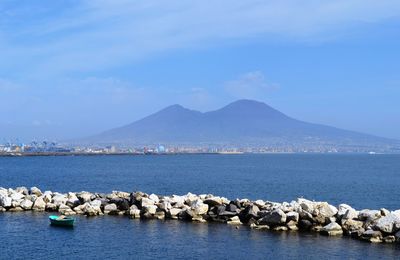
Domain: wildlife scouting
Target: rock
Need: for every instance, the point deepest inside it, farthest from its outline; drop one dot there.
(369, 215)
(84, 197)
(177, 201)
(151, 209)
(232, 208)
(351, 225)
(51, 207)
(372, 236)
(73, 200)
(388, 223)
(199, 208)
(190, 198)
(292, 225)
(17, 196)
(273, 218)
(5, 201)
(306, 205)
(280, 228)
(332, 229)
(342, 209)
(305, 224)
(173, 213)
(2, 209)
(385, 212)
(389, 239)
(22, 190)
(234, 221)
(36, 191)
(250, 212)
(134, 212)
(59, 199)
(213, 201)
(292, 216)
(323, 211)
(65, 210)
(259, 203)
(164, 205)
(154, 198)
(91, 209)
(350, 214)
(26, 204)
(110, 209)
(16, 209)
(39, 204)
(147, 202)
(160, 214)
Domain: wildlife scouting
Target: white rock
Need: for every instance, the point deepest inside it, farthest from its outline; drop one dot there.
(198, 207)
(26, 204)
(39, 204)
(388, 223)
(5, 201)
(292, 216)
(110, 208)
(147, 202)
(36, 191)
(332, 229)
(154, 198)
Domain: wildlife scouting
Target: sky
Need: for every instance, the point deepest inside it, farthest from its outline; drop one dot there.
(73, 68)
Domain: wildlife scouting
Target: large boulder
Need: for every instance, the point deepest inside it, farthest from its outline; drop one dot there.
(306, 205)
(292, 216)
(26, 204)
(199, 208)
(85, 196)
(369, 215)
(36, 191)
(39, 204)
(91, 209)
(154, 198)
(273, 218)
(213, 201)
(5, 201)
(323, 211)
(65, 210)
(110, 209)
(250, 212)
(173, 213)
(147, 202)
(59, 199)
(388, 224)
(332, 229)
(372, 236)
(16, 196)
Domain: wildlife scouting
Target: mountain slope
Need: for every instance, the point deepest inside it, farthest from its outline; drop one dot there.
(244, 122)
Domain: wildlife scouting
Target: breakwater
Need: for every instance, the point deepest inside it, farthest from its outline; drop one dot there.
(370, 225)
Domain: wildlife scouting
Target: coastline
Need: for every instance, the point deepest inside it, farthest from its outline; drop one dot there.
(374, 226)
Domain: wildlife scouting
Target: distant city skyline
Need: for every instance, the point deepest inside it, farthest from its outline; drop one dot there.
(76, 68)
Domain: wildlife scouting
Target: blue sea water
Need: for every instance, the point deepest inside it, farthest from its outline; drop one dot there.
(363, 181)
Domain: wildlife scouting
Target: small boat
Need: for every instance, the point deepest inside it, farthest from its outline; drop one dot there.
(62, 221)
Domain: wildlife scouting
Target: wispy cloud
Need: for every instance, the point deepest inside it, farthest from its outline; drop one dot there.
(97, 34)
(251, 85)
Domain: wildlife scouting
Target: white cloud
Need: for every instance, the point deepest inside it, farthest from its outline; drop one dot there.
(252, 85)
(98, 34)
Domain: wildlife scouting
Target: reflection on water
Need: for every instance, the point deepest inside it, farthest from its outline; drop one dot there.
(29, 235)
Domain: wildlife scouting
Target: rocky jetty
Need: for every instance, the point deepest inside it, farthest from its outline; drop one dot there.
(370, 225)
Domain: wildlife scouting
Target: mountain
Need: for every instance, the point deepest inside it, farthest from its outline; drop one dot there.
(241, 123)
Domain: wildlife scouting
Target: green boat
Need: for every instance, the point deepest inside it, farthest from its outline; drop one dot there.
(62, 221)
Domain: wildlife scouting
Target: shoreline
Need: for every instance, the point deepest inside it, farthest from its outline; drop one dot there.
(374, 226)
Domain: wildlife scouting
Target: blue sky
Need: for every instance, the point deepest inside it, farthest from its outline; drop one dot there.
(74, 68)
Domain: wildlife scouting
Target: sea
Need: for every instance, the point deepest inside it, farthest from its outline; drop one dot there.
(362, 181)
